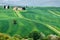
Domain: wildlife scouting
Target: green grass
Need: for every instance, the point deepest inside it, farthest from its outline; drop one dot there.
(30, 20)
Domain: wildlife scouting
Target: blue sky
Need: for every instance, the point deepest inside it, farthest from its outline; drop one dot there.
(31, 2)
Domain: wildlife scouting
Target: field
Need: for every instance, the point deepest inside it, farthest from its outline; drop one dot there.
(42, 19)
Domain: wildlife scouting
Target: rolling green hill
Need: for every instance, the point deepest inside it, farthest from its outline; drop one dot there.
(42, 19)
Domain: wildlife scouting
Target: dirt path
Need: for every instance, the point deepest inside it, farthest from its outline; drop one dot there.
(19, 15)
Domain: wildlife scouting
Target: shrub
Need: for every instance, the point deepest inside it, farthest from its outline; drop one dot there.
(35, 35)
(17, 37)
(4, 37)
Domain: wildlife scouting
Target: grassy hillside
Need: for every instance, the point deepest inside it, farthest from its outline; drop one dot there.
(42, 19)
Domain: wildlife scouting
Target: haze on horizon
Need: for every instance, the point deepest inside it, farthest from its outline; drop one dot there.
(55, 3)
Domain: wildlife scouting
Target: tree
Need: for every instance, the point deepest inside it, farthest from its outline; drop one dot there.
(14, 22)
(35, 35)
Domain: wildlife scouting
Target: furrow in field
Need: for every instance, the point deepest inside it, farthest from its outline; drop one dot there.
(50, 27)
(13, 28)
(10, 27)
(57, 12)
(27, 27)
(53, 13)
(4, 26)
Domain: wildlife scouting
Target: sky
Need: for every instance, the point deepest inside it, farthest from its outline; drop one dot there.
(31, 2)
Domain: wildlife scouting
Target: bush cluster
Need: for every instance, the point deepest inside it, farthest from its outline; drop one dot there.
(32, 36)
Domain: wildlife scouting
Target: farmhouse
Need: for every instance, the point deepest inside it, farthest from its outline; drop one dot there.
(19, 8)
(15, 8)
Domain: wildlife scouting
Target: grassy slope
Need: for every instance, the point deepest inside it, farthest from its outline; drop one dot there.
(33, 19)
